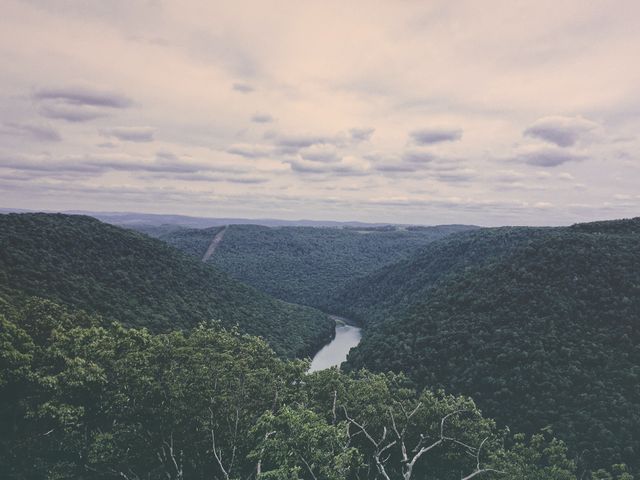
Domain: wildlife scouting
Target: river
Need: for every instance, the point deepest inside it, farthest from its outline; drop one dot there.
(335, 352)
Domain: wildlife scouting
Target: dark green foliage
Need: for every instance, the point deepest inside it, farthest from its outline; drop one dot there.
(126, 276)
(304, 264)
(546, 332)
(540, 326)
(388, 291)
(191, 241)
(81, 401)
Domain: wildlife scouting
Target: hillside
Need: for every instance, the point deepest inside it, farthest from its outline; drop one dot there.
(80, 401)
(305, 264)
(139, 281)
(390, 290)
(543, 334)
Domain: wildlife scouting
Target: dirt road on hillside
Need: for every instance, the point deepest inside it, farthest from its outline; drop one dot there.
(214, 244)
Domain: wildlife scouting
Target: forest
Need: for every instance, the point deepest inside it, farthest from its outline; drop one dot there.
(140, 281)
(83, 399)
(487, 353)
(304, 265)
(541, 327)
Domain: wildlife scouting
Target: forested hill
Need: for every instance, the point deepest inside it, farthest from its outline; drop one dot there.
(546, 333)
(389, 291)
(139, 281)
(80, 401)
(305, 264)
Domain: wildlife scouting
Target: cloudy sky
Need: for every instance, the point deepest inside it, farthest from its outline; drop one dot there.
(485, 112)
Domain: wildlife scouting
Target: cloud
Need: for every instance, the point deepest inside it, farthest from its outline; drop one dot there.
(429, 136)
(423, 165)
(250, 151)
(547, 156)
(43, 163)
(347, 167)
(202, 177)
(418, 161)
(320, 153)
(242, 88)
(78, 103)
(543, 205)
(397, 167)
(40, 133)
(416, 156)
(248, 81)
(392, 164)
(84, 96)
(296, 142)
(129, 134)
(71, 113)
(566, 176)
(262, 118)
(165, 162)
(456, 176)
(361, 134)
(291, 144)
(561, 131)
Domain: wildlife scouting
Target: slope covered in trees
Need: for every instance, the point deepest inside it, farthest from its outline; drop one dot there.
(83, 401)
(543, 332)
(389, 291)
(305, 264)
(140, 281)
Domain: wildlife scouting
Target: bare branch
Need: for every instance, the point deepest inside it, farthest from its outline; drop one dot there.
(217, 454)
(479, 470)
(308, 467)
(259, 464)
(333, 409)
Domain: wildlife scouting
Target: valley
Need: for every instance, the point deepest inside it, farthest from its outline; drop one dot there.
(537, 327)
(363, 240)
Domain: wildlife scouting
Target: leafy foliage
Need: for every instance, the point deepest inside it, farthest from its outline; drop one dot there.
(389, 291)
(546, 332)
(139, 281)
(305, 264)
(84, 401)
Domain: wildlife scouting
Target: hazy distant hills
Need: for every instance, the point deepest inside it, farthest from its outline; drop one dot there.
(129, 277)
(540, 326)
(155, 220)
(303, 264)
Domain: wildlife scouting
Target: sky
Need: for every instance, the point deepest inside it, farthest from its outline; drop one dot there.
(485, 112)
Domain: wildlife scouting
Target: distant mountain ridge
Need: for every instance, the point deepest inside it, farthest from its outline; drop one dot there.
(154, 219)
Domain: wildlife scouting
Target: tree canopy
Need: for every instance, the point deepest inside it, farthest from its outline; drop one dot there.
(305, 265)
(542, 331)
(86, 401)
(139, 281)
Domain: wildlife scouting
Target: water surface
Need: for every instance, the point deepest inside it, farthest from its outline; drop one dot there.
(335, 352)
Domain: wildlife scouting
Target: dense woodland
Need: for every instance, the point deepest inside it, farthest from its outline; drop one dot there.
(140, 281)
(390, 290)
(305, 265)
(540, 327)
(535, 328)
(83, 400)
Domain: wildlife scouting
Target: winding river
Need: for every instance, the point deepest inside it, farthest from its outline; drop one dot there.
(335, 352)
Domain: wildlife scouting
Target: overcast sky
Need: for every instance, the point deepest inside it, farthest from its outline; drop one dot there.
(485, 112)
